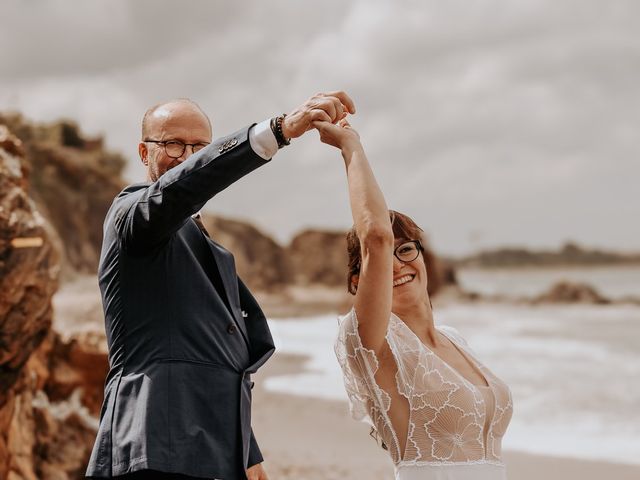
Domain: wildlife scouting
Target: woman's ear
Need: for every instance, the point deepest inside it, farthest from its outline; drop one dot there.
(424, 241)
(354, 282)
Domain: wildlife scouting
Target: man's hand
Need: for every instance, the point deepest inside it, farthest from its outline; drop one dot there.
(324, 107)
(256, 472)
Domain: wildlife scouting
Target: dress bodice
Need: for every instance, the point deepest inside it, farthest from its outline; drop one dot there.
(452, 422)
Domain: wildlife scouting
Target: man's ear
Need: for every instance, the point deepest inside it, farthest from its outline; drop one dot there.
(143, 151)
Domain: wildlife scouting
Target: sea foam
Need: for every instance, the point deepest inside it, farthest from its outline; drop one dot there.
(573, 370)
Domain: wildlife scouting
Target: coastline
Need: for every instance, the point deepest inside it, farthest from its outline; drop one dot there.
(313, 439)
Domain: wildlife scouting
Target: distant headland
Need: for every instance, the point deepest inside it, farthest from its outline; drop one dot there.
(570, 254)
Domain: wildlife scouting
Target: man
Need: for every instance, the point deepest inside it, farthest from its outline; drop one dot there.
(184, 333)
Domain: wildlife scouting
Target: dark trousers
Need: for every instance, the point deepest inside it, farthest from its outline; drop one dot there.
(155, 475)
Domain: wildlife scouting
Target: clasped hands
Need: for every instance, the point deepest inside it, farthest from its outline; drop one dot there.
(327, 113)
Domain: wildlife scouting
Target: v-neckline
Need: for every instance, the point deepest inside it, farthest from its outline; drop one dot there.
(460, 349)
(475, 389)
(466, 356)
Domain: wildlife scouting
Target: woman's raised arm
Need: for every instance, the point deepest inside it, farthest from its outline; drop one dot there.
(373, 227)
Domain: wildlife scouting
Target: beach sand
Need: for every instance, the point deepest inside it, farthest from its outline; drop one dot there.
(311, 439)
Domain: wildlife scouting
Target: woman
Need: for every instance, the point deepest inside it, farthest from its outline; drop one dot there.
(439, 412)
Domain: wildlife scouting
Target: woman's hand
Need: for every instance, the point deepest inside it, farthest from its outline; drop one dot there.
(330, 107)
(341, 135)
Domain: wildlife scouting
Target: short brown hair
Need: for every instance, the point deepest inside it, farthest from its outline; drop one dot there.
(403, 227)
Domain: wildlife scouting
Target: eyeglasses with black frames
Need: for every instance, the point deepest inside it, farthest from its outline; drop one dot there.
(408, 251)
(176, 148)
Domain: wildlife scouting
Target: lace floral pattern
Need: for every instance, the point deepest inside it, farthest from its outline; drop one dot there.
(446, 412)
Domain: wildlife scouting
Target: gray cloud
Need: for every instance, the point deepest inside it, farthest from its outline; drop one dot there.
(491, 122)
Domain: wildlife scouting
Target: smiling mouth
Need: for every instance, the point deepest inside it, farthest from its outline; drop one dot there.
(402, 280)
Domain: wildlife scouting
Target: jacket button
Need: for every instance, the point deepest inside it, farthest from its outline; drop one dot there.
(231, 328)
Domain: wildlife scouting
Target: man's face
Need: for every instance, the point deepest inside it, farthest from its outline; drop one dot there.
(174, 121)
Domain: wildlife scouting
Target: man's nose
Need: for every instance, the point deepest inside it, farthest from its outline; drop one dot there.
(186, 154)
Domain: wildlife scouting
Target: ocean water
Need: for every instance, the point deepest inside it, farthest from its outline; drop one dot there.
(574, 371)
(614, 282)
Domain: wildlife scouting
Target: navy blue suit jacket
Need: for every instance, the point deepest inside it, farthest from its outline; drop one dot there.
(181, 351)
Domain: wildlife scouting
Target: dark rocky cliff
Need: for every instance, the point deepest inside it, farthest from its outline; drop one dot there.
(260, 261)
(72, 180)
(55, 187)
(38, 439)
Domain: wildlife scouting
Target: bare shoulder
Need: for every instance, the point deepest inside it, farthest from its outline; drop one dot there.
(453, 333)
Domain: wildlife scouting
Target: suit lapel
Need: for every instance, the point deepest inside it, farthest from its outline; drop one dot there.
(262, 346)
(227, 268)
(224, 263)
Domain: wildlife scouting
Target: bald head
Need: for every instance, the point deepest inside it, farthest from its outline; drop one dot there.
(181, 121)
(162, 111)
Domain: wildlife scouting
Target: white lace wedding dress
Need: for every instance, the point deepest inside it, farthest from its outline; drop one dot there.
(455, 427)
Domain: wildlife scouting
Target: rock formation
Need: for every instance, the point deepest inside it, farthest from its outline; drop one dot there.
(260, 261)
(55, 188)
(49, 437)
(73, 180)
(569, 254)
(46, 384)
(319, 257)
(28, 267)
(568, 292)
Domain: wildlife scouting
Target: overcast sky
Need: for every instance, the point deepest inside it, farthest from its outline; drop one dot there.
(490, 122)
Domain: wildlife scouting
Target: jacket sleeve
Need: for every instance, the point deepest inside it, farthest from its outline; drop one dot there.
(255, 455)
(148, 217)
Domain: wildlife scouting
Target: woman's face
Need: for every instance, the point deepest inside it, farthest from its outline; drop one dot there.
(409, 279)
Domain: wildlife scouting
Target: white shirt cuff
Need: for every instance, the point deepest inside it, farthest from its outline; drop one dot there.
(262, 140)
